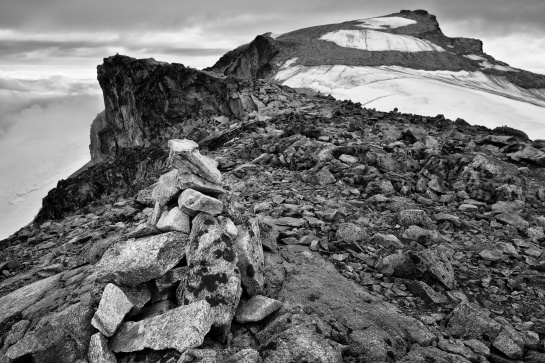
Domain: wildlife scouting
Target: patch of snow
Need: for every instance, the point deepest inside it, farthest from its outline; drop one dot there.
(474, 57)
(473, 96)
(386, 22)
(274, 35)
(372, 40)
(289, 62)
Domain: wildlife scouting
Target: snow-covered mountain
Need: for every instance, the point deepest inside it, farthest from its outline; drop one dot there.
(401, 61)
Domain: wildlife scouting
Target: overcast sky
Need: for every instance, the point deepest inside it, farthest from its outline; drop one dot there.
(70, 37)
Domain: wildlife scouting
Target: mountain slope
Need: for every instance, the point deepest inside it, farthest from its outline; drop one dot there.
(401, 61)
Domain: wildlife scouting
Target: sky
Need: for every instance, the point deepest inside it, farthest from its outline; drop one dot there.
(49, 50)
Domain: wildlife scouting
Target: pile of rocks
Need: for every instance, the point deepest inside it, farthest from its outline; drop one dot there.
(199, 258)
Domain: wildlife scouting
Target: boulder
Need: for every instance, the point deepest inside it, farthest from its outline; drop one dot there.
(193, 202)
(113, 307)
(139, 260)
(514, 220)
(470, 321)
(189, 180)
(167, 188)
(257, 309)
(349, 232)
(174, 220)
(99, 352)
(325, 177)
(181, 328)
(184, 152)
(415, 217)
(213, 274)
(509, 342)
(249, 251)
(61, 337)
(439, 266)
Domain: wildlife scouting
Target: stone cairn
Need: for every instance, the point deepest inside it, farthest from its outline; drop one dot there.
(221, 260)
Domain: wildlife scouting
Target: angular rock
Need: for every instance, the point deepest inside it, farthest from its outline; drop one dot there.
(167, 188)
(213, 273)
(431, 354)
(514, 220)
(415, 217)
(348, 159)
(325, 177)
(193, 202)
(484, 174)
(139, 260)
(16, 332)
(249, 251)
(181, 328)
(470, 321)
(187, 150)
(257, 309)
(349, 232)
(439, 266)
(61, 337)
(189, 180)
(174, 220)
(143, 230)
(113, 307)
(424, 291)
(423, 236)
(509, 342)
(99, 351)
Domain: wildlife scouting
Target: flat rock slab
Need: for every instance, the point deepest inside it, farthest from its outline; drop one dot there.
(193, 202)
(257, 309)
(251, 261)
(472, 322)
(99, 351)
(18, 300)
(213, 275)
(189, 180)
(61, 337)
(113, 307)
(174, 220)
(181, 328)
(139, 260)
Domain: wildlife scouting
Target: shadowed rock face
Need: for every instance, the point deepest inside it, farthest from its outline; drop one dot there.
(147, 102)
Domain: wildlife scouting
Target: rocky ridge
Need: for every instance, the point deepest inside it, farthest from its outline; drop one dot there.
(311, 230)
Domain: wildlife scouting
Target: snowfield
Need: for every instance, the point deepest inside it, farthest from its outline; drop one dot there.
(473, 96)
(377, 41)
(484, 63)
(386, 22)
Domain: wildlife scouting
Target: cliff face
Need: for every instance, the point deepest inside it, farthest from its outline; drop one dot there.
(148, 102)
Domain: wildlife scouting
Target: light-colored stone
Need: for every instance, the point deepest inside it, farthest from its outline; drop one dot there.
(185, 150)
(349, 232)
(257, 309)
(415, 217)
(245, 356)
(16, 332)
(99, 351)
(139, 260)
(174, 220)
(509, 342)
(249, 251)
(167, 188)
(514, 220)
(325, 177)
(213, 274)
(180, 329)
(470, 321)
(194, 202)
(113, 307)
(348, 159)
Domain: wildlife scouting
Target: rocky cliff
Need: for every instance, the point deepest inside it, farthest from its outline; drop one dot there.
(301, 229)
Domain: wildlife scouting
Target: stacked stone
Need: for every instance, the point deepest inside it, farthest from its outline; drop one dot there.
(222, 259)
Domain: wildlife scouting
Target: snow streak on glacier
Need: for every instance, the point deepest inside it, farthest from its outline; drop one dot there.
(473, 96)
(376, 41)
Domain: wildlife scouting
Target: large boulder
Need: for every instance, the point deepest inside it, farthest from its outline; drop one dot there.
(249, 250)
(213, 274)
(484, 174)
(113, 307)
(472, 322)
(180, 328)
(139, 260)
